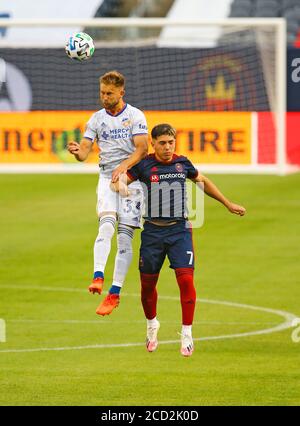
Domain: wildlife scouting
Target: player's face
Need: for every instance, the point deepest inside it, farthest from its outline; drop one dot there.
(164, 147)
(111, 96)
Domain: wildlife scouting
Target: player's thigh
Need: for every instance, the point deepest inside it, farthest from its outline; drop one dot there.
(130, 209)
(107, 200)
(152, 251)
(180, 249)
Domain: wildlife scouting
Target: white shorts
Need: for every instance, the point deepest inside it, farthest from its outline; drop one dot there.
(129, 210)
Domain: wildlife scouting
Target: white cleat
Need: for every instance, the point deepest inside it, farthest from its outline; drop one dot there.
(187, 345)
(151, 340)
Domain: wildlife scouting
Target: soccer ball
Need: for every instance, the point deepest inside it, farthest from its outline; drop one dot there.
(80, 46)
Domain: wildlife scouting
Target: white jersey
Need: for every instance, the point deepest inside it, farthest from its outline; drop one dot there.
(114, 135)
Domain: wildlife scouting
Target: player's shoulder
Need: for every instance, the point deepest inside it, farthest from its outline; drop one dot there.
(134, 110)
(150, 160)
(97, 114)
(180, 159)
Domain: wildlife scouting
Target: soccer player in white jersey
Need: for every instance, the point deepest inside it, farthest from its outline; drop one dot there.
(120, 131)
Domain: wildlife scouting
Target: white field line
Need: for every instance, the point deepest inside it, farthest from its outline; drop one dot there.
(288, 323)
(108, 322)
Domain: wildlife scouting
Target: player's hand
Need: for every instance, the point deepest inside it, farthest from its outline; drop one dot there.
(236, 209)
(73, 147)
(122, 168)
(121, 187)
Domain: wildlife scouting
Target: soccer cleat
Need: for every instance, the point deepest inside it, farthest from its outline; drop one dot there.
(110, 302)
(187, 345)
(151, 340)
(96, 286)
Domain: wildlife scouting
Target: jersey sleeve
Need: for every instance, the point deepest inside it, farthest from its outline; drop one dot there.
(90, 129)
(135, 172)
(192, 172)
(139, 126)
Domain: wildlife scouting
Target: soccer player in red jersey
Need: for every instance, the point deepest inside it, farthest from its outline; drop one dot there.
(166, 229)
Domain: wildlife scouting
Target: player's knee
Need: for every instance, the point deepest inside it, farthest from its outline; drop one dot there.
(148, 282)
(185, 280)
(107, 227)
(124, 239)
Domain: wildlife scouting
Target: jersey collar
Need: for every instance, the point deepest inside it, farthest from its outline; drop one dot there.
(174, 157)
(119, 113)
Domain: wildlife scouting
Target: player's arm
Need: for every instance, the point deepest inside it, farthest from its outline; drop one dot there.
(141, 151)
(121, 185)
(212, 191)
(80, 150)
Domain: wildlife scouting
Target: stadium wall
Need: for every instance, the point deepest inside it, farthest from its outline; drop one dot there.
(232, 138)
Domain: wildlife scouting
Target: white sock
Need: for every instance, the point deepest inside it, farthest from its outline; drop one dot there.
(102, 244)
(186, 330)
(115, 283)
(124, 254)
(152, 323)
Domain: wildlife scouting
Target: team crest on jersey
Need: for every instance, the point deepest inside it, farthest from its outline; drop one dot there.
(126, 122)
(154, 169)
(179, 167)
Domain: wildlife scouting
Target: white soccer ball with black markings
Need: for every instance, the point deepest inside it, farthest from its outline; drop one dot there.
(80, 47)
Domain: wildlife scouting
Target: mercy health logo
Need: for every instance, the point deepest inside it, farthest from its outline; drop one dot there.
(119, 133)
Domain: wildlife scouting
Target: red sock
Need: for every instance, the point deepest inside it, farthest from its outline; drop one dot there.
(185, 280)
(149, 294)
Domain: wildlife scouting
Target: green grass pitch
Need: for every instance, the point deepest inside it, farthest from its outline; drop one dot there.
(47, 230)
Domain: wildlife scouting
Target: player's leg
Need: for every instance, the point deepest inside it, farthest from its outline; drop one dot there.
(102, 248)
(106, 210)
(129, 217)
(122, 263)
(152, 255)
(181, 256)
(185, 280)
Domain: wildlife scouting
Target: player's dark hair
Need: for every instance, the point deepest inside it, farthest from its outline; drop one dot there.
(113, 77)
(163, 129)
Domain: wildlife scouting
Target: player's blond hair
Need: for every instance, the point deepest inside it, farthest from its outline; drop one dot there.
(113, 77)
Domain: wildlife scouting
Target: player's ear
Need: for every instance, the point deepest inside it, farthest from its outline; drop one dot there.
(122, 92)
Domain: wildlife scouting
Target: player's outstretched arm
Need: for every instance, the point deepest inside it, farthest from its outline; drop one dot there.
(80, 150)
(211, 190)
(141, 151)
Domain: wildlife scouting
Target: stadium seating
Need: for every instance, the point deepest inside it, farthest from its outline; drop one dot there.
(127, 8)
(289, 9)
